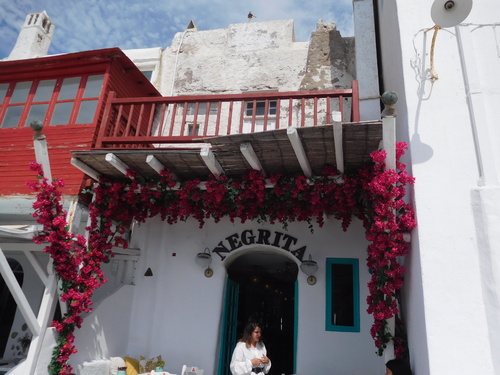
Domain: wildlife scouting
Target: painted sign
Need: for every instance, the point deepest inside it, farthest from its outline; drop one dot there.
(261, 237)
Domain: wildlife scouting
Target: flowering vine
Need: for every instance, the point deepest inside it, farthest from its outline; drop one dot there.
(373, 194)
(76, 264)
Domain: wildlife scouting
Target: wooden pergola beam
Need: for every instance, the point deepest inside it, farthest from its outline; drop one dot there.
(250, 156)
(298, 148)
(157, 165)
(117, 163)
(89, 171)
(338, 140)
(211, 162)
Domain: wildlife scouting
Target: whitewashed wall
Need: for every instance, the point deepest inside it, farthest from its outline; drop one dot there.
(33, 288)
(232, 60)
(453, 291)
(177, 311)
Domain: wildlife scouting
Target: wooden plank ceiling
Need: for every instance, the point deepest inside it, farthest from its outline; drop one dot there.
(287, 151)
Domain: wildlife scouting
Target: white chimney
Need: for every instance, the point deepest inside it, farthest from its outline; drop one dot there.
(35, 37)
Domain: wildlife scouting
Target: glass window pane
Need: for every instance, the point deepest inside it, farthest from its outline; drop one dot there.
(69, 88)
(12, 116)
(148, 74)
(272, 107)
(260, 108)
(37, 112)
(21, 92)
(44, 90)
(342, 295)
(61, 114)
(93, 86)
(3, 90)
(202, 108)
(87, 112)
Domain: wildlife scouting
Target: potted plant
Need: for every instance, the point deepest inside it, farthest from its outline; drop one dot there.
(159, 364)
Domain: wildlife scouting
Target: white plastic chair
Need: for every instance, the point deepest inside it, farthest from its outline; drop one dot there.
(191, 370)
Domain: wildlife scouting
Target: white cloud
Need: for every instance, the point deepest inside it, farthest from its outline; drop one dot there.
(91, 24)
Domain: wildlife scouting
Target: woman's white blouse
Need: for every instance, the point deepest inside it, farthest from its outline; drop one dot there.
(241, 361)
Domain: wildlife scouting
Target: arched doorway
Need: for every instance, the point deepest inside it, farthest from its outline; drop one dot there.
(261, 287)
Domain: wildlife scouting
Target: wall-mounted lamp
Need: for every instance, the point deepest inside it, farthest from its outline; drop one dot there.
(309, 267)
(203, 260)
(446, 13)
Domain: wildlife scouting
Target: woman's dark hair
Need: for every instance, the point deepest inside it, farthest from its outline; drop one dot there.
(399, 367)
(247, 332)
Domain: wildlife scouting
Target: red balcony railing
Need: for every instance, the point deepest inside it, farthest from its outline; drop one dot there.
(144, 122)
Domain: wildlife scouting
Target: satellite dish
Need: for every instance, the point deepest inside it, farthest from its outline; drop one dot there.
(448, 13)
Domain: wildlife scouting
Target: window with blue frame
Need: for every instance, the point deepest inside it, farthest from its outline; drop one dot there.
(342, 295)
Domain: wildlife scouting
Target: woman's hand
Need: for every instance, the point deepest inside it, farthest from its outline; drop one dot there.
(256, 362)
(264, 359)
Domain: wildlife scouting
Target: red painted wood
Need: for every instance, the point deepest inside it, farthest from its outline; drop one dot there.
(121, 79)
(355, 117)
(278, 105)
(266, 110)
(217, 121)
(174, 111)
(17, 151)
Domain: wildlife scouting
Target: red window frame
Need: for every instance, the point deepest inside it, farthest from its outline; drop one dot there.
(52, 102)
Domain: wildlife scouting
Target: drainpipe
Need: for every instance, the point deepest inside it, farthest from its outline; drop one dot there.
(484, 157)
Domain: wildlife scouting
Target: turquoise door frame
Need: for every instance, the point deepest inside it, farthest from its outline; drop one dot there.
(295, 325)
(230, 323)
(228, 326)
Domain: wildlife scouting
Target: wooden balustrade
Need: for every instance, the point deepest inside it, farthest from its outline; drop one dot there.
(144, 122)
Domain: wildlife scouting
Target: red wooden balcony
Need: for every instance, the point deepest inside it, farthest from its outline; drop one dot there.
(195, 136)
(144, 122)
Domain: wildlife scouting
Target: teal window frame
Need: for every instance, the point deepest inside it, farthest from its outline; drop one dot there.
(329, 295)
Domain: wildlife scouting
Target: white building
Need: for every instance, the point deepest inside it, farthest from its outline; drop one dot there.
(158, 301)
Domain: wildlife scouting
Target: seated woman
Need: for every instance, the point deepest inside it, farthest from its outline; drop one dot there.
(250, 354)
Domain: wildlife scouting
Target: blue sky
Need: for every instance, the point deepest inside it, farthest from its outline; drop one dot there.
(93, 24)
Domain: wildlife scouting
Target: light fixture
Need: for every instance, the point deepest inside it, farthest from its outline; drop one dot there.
(203, 260)
(449, 13)
(446, 13)
(309, 267)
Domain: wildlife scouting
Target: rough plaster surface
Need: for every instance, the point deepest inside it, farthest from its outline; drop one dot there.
(35, 37)
(329, 59)
(256, 56)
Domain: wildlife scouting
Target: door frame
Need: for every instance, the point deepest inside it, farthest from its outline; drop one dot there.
(228, 335)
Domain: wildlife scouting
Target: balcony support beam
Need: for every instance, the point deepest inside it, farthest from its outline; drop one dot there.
(117, 163)
(298, 148)
(212, 163)
(337, 138)
(157, 165)
(250, 156)
(89, 171)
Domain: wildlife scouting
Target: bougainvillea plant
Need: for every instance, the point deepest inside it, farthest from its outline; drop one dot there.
(372, 194)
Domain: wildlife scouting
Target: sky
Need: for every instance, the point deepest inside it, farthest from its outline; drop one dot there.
(82, 25)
